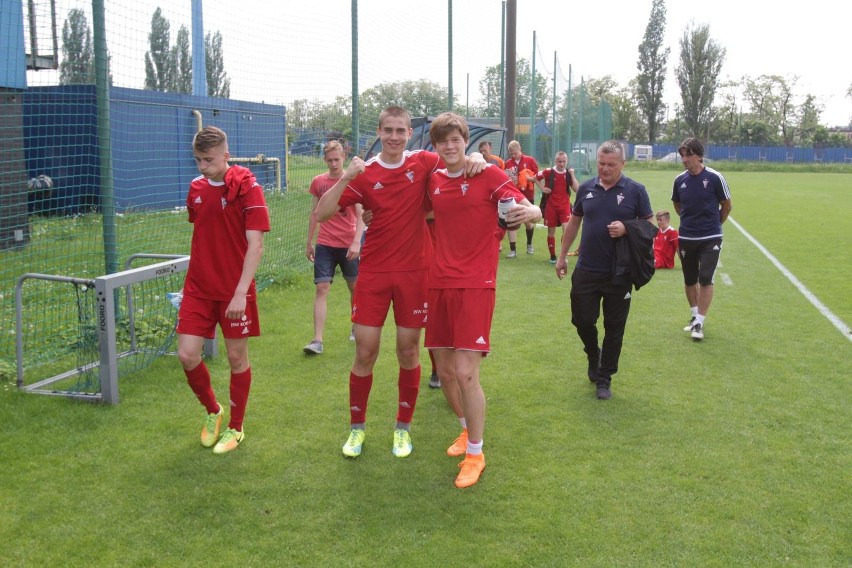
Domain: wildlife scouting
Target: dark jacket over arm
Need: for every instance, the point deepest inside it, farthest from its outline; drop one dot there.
(634, 253)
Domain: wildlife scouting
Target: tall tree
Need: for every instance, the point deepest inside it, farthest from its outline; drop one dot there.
(808, 115)
(421, 97)
(78, 60)
(159, 68)
(489, 88)
(701, 60)
(218, 82)
(182, 62)
(652, 70)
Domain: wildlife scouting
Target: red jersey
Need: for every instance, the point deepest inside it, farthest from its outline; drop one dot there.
(339, 231)
(525, 163)
(560, 194)
(465, 222)
(219, 241)
(397, 238)
(665, 247)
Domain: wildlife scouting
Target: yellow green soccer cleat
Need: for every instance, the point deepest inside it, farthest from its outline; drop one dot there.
(210, 431)
(402, 443)
(352, 447)
(229, 441)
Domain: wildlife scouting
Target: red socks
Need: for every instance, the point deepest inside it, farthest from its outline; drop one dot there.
(551, 246)
(240, 386)
(199, 381)
(359, 393)
(409, 386)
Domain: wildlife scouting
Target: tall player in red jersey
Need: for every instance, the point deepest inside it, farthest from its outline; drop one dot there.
(558, 183)
(463, 276)
(229, 216)
(393, 268)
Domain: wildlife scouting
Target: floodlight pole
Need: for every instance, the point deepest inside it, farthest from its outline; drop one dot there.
(356, 102)
(450, 55)
(199, 55)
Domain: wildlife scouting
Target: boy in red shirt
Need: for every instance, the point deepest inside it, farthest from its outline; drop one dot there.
(516, 164)
(393, 267)
(462, 278)
(665, 243)
(558, 183)
(228, 210)
(338, 243)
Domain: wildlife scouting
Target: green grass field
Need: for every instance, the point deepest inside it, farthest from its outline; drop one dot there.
(730, 452)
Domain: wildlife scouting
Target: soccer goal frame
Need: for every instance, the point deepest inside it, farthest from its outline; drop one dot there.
(106, 289)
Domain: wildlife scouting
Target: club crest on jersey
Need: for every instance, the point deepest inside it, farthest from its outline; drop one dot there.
(619, 198)
(410, 175)
(464, 187)
(224, 202)
(706, 182)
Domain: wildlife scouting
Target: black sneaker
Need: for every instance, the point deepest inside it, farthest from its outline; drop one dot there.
(434, 381)
(603, 393)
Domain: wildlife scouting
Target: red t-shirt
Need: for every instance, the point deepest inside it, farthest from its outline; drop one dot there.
(665, 247)
(560, 194)
(219, 241)
(525, 163)
(465, 222)
(339, 231)
(397, 239)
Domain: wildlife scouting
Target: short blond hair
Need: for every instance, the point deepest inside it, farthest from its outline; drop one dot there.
(331, 146)
(514, 145)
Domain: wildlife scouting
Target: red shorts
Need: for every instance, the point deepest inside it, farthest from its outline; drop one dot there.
(529, 194)
(555, 215)
(199, 316)
(375, 291)
(460, 319)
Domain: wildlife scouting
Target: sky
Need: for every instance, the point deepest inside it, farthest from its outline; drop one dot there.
(278, 51)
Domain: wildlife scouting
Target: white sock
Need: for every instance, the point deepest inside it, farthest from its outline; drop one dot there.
(474, 449)
(694, 311)
(699, 319)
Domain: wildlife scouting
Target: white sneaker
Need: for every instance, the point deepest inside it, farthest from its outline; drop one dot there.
(690, 324)
(530, 249)
(512, 254)
(313, 348)
(698, 332)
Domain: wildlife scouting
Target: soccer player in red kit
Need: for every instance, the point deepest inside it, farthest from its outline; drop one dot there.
(558, 183)
(665, 243)
(516, 164)
(462, 279)
(229, 215)
(393, 268)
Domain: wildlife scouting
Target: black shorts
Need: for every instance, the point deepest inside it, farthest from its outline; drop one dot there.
(698, 260)
(326, 259)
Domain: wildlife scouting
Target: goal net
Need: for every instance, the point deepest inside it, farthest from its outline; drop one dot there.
(111, 326)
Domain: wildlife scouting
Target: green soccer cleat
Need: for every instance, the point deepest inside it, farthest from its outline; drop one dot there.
(229, 441)
(210, 431)
(352, 447)
(402, 443)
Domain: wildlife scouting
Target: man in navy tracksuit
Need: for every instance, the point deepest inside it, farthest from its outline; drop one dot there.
(602, 205)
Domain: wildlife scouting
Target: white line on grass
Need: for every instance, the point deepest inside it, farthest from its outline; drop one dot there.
(726, 279)
(836, 321)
